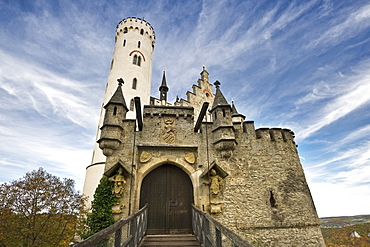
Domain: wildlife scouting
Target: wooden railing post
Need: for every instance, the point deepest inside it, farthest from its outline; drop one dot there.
(218, 237)
(202, 231)
(118, 237)
(137, 223)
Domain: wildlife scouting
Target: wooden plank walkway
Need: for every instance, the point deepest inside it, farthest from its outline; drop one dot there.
(185, 240)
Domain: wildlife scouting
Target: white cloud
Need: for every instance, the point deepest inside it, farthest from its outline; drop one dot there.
(340, 200)
(353, 24)
(355, 95)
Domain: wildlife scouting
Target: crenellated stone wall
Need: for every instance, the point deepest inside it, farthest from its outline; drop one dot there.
(261, 191)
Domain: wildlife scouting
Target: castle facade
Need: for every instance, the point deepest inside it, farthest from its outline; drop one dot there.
(198, 150)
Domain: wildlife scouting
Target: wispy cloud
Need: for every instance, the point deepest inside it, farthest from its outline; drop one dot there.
(298, 64)
(354, 22)
(341, 103)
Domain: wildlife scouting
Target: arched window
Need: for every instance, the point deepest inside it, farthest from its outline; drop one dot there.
(124, 42)
(132, 104)
(142, 31)
(134, 61)
(134, 83)
(125, 30)
(139, 61)
(138, 44)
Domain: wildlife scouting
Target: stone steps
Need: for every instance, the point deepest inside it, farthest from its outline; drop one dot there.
(185, 240)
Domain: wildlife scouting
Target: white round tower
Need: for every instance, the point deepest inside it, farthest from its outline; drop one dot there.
(132, 61)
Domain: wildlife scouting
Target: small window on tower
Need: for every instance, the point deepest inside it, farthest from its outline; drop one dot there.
(139, 61)
(272, 200)
(111, 64)
(134, 61)
(142, 31)
(125, 30)
(132, 103)
(124, 42)
(115, 111)
(138, 44)
(134, 83)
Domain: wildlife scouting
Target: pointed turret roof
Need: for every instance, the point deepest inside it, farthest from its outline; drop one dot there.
(234, 112)
(163, 89)
(118, 97)
(164, 82)
(219, 97)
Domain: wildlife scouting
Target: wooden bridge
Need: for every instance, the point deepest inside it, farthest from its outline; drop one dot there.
(132, 230)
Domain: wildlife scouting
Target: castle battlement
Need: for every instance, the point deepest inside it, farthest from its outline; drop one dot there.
(199, 151)
(135, 24)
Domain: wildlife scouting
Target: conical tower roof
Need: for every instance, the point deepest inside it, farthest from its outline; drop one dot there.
(219, 97)
(164, 82)
(118, 97)
(234, 111)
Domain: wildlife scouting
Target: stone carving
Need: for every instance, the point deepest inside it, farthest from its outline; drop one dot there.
(190, 158)
(117, 209)
(168, 132)
(119, 183)
(145, 157)
(215, 187)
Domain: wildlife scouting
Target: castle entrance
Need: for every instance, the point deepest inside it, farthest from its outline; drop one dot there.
(169, 193)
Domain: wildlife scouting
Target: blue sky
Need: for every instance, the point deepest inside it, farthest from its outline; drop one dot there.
(303, 65)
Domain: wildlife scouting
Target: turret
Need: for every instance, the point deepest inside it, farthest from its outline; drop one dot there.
(111, 131)
(236, 117)
(163, 89)
(223, 129)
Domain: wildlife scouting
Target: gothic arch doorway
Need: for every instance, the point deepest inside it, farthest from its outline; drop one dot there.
(169, 193)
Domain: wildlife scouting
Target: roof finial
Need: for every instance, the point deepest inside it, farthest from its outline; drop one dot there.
(120, 82)
(217, 84)
(204, 67)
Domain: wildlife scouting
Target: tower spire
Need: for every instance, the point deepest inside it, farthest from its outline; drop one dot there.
(219, 97)
(163, 89)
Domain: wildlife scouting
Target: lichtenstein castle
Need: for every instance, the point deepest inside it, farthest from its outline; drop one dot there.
(198, 150)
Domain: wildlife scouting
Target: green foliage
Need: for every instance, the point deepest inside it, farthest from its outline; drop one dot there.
(101, 215)
(39, 210)
(340, 236)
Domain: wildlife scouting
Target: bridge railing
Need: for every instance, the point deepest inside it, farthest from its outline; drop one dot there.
(126, 232)
(211, 233)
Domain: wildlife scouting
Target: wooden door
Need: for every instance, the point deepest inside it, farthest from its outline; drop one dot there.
(169, 193)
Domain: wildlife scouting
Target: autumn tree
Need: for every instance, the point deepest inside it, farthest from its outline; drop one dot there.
(39, 210)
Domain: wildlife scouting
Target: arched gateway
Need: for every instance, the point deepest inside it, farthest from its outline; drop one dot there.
(169, 193)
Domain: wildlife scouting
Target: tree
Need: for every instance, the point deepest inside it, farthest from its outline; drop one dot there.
(39, 210)
(101, 215)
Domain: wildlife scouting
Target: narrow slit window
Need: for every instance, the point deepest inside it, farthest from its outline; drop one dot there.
(142, 31)
(223, 113)
(134, 61)
(115, 110)
(132, 104)
(139, 61)
(272, 200)
(124, 43)
(138, 44)
(134, 83)
(111, 64)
